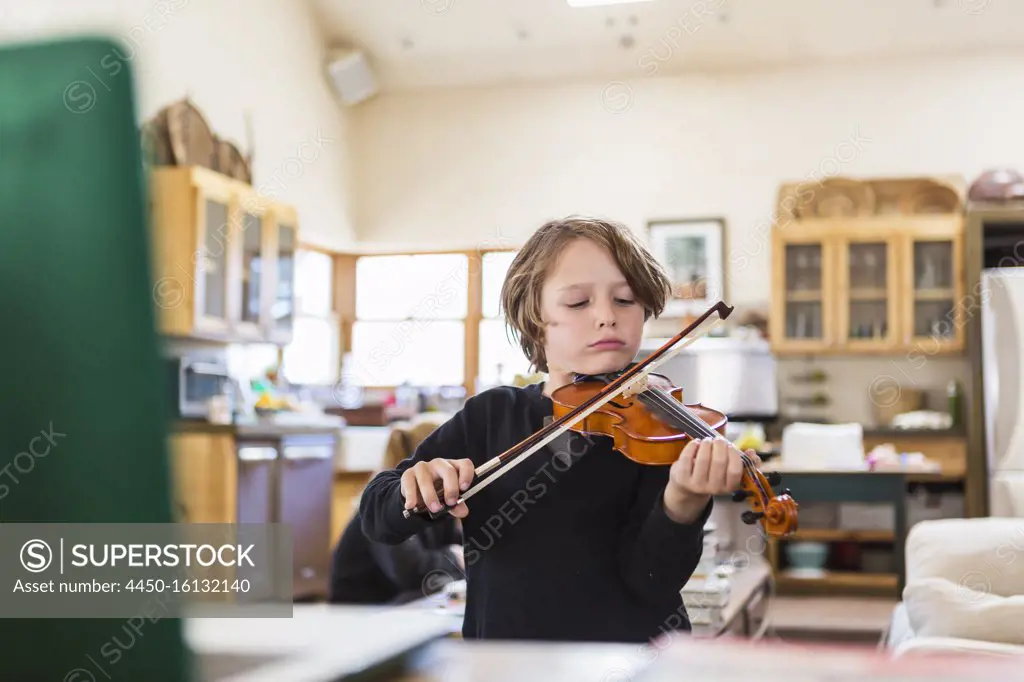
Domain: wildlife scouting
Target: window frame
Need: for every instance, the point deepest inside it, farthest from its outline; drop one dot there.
(331, 317)
(344, 299)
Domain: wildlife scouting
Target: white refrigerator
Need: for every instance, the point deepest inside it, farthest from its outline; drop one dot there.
(1002, 356)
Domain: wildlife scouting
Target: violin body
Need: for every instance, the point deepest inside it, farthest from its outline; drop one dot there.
(638, 433)
(653, 425)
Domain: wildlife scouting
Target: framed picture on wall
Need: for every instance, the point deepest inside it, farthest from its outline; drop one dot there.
(692, 251)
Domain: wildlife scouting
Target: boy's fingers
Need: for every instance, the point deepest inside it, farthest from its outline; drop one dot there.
(425, 480)
(466, 472)
(702, 463)
(450, 476)
(719, 464)
(683, 466)
(409, 489)
(734, 473)
(460, 511)
(752, 454)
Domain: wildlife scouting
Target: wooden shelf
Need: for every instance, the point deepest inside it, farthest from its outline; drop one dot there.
(869, 294)
(840, 579)
(804, 296)
(926, 477)
(840, 535)
(934, 294)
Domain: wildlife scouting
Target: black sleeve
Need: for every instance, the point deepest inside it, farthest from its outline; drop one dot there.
(381, 503)
(408, 563)
(657, 556)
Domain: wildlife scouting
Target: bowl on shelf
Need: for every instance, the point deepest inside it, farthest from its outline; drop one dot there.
(807, 559)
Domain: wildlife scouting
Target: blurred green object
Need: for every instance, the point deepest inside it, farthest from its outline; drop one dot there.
(78, 340)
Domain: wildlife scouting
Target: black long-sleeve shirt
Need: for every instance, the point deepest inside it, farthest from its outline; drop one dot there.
(368, 572)
(573, 544)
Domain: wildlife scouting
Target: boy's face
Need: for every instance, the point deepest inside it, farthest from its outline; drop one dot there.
(593, 323)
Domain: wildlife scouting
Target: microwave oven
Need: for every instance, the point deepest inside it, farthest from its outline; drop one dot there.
(193, 381)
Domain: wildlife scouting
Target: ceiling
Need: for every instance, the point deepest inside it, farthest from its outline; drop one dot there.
(414, 44)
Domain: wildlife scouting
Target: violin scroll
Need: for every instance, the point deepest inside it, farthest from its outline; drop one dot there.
(777, 514)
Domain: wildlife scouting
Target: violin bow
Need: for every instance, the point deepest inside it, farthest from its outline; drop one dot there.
(556, 428)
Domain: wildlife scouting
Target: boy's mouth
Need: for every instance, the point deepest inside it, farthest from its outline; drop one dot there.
(607, 344)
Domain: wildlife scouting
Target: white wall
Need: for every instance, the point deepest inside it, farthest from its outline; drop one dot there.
(230, 57)
(484, 166)
(464, 166)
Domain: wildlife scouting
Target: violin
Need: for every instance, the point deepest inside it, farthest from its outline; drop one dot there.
(648, 425)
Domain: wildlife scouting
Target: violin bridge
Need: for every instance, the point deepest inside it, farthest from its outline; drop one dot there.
(635, 387)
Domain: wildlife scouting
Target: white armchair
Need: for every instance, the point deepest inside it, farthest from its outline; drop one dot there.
(964, 589)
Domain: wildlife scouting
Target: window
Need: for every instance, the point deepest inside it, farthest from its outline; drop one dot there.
(312, 358)
(410, 320)
(501, 357)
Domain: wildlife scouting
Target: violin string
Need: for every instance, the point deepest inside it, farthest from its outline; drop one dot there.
(694, 421)
(687, 416)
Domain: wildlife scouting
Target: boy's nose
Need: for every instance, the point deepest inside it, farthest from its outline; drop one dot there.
(605, 315)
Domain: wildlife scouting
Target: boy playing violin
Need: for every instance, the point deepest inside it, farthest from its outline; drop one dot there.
(577, 542)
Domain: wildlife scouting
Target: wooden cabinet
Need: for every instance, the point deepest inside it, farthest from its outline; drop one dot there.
(224, 258)
(204, 471)
(853, 279)
(285, 478)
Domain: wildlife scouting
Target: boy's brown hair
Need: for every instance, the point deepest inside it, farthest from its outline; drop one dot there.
(520, 293)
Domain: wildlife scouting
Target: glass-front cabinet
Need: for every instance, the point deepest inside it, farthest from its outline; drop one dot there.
(934, 286)
(280, 321)
(868, 286)
(224, 265)
(207, 269)
(251, 252)
(801, 319)
(868, 292)
(872, 266)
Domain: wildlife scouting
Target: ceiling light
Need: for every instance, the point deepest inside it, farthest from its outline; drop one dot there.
(601, 3)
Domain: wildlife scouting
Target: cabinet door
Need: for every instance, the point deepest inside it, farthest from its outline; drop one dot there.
(210, 264)
(256, 482)
(868, 293)
(251, 255)
(934, 289)
(204, 471)
(282, 296)
(307, 479)
(802, 314)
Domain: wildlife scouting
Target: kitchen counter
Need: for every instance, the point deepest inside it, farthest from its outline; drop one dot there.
(262, 428)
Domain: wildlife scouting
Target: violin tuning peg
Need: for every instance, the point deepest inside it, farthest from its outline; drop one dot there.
(751, 517)
(740, 495)
(774, 478)
(787, 491)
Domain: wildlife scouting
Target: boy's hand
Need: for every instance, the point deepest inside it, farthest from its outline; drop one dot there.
(418, 483)
(705, 468)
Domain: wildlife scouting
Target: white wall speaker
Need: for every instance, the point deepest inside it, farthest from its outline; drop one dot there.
(350, 75)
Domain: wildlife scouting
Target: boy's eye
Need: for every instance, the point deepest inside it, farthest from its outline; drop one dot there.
(577, 305)
(625, 301)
